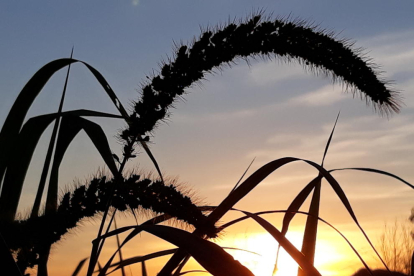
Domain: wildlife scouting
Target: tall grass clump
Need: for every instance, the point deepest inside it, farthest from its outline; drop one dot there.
(255, 37)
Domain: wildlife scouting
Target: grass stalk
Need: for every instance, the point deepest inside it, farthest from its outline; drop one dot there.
(97, 247)
(311, 228)
(51, 200)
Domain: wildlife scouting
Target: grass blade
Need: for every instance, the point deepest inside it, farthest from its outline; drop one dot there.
(62, 148)
(292, 211)
(151, 156)
(105, 85)
(78, 268)
(250, 183)
(28, 94)
(50, 206)
(143, 269)
(142, 259)
(139, 259)
(379, 172)
(330, 139)
(181, 265)
(311, 228)
(301, 259)
(13, 123)
(211, 256)
(297, 203)
(230, 223)
(340, 193)
(19, 164)
(14, 120)
(242, 190)
(120, 251)
(90, 113)
(255, 179)
(241, 178)
(97, 136)
(70, 127)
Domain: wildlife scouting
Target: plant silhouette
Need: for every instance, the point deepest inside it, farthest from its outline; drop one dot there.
(258, 36)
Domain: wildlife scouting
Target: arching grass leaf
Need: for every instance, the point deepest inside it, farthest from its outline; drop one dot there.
(301, 259)
(311, 227)
(70, 127)
(230, 223)
(138, 259)
(297, 203)
(255, 179)
(27, 141)
(151, 156)
(18, 163)
(30, 91)
(377, 171)
(211, 256)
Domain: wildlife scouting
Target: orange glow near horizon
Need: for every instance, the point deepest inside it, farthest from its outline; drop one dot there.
(262, 263)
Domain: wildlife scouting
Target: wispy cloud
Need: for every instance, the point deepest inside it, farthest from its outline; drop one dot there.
(393, 51)
(369, 141)
(273, 71)
(214, 117)
(327, 95)
(135, 2)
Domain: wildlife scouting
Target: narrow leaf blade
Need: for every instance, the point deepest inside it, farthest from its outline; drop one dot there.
(302, 261)
(79, 267)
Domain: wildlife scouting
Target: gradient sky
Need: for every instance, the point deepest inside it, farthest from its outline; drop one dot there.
(266, 111)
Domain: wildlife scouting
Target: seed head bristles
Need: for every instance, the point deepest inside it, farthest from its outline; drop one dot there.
(28, 237)
(316, 49)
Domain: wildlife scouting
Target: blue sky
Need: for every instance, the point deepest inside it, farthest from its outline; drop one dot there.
(265, 111)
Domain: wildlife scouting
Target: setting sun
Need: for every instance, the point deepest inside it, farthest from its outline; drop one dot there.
(260, 255)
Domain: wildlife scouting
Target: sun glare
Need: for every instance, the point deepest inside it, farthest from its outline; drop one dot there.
(260, 255)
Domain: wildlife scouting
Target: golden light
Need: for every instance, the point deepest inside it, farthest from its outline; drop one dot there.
(263, 262)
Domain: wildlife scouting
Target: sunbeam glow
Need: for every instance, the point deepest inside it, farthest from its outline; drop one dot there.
(263, 262)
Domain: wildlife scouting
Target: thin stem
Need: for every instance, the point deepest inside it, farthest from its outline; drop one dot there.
(96, 249)
(36, 205)
(51, 201)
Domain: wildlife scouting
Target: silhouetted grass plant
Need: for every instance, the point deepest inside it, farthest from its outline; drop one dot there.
(257, 36)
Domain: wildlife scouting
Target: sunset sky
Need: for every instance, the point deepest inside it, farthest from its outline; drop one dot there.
(266, 110)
